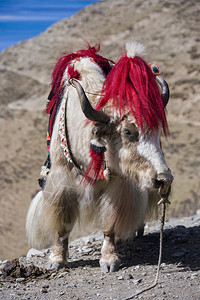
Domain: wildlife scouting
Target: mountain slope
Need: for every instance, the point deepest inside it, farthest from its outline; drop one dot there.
(169, 30)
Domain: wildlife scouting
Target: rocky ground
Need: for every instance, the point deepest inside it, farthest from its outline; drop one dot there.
(170, 31)
(28, 277)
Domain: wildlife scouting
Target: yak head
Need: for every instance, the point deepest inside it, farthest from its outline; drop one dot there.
(130, 117)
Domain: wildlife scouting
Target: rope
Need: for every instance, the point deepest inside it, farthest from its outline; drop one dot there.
(164, 200)
(71, 83)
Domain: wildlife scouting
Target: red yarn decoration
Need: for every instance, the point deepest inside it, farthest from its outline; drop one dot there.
(131, 85)
(57, 76)
(72, 73)
(92, 173)
(64, 61)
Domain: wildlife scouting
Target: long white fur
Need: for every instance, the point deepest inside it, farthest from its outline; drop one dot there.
(35, 234)
(151, 150)
(64, 202)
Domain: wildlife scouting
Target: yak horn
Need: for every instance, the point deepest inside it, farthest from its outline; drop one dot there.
(165, 89)
(88, 110)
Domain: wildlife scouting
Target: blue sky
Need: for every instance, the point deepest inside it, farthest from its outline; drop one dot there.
(23, 19)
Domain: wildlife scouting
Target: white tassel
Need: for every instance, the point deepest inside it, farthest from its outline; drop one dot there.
(134, 48)
(107, 174)
(44, 171)
(98, 145)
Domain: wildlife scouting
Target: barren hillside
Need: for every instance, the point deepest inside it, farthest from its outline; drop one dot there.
(169, 30)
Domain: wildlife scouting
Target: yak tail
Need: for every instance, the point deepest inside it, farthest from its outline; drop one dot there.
(34, 227)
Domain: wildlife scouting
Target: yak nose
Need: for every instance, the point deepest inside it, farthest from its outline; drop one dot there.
(165, 178)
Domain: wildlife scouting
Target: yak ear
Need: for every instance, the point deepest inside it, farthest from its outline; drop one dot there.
(101, 130)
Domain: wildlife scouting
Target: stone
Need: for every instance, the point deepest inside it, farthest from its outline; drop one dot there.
(137, 267)
(198, 212)
(62, 274)
(137, 281)
(87, 250)
(92, 239)
(44, 290)
(34, 252)
(20, 279)
(129, 276)
(193, 276)
(62, 293)
(163, 265)
(4, 261)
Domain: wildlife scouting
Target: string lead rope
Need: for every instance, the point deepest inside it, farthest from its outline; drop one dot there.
(163, 201)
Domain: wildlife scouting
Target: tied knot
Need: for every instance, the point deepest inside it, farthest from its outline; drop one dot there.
(164, 192)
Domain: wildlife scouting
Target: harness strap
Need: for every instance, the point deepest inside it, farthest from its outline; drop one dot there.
(64, 136)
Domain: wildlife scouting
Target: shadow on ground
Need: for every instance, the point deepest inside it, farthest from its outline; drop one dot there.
(180, 247)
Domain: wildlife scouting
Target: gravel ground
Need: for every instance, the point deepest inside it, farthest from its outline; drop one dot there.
(28, 278)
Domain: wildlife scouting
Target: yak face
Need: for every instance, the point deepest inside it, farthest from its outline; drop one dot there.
(136, 154)
(132, 152)
(129, 116)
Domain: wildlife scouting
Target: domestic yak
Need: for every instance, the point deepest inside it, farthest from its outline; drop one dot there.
(105, 151)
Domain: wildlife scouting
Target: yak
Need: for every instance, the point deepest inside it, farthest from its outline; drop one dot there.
(106, 158)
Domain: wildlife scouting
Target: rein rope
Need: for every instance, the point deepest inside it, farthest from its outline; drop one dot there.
(163, 201)
(96, 94)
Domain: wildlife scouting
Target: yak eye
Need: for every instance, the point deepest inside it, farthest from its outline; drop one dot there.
(131, 135)
(127, 132)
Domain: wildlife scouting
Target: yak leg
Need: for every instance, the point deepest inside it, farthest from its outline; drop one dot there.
(61, 212)
(59, 252)
(109, 257)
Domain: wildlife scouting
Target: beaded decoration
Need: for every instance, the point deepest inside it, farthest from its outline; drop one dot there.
(61, 131)
(155, 69)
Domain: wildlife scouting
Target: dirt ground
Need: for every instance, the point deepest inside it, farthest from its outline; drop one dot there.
(179, 275)
(170, 32)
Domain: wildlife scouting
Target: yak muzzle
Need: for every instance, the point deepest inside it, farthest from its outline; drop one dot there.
(164, 179)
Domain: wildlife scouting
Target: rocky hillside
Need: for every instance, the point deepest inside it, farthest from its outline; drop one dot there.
(169, 30)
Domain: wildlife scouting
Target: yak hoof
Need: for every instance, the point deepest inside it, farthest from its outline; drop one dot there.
(114, 267)
(104, 268)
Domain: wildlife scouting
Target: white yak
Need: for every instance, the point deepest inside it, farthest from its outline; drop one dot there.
(106, 158)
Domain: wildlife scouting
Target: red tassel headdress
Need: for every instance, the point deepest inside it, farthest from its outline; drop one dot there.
(131, 86)
(57, 76)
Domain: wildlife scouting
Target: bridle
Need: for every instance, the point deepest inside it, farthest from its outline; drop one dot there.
(64, 137)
